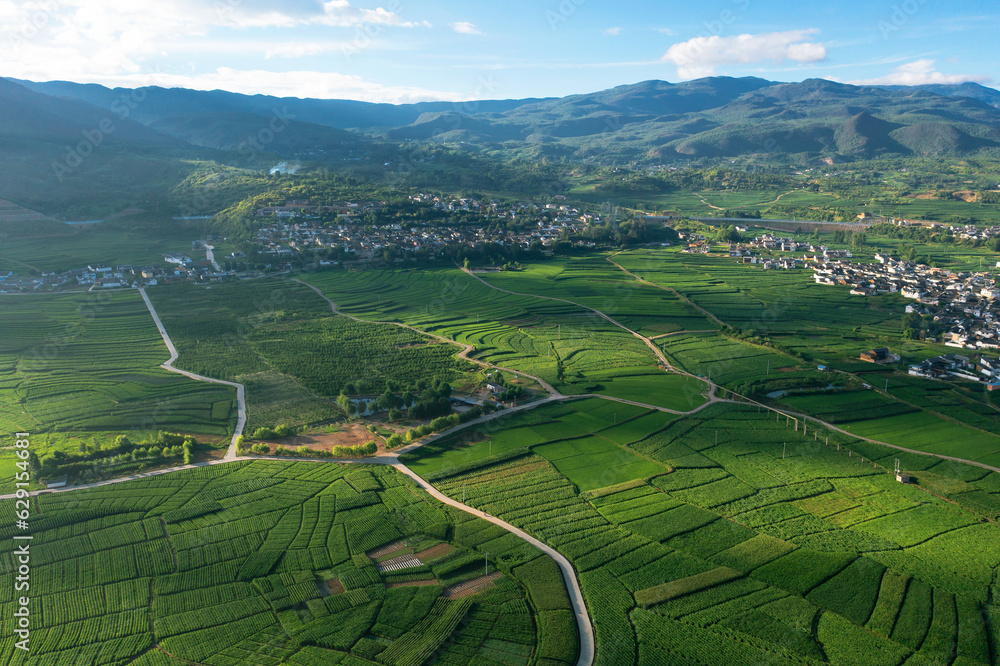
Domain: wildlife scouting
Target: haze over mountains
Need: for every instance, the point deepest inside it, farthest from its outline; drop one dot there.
(711, 117)
(156, 130)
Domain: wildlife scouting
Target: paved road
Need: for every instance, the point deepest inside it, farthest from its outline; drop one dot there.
(241, 398)
(587, 645)
(586, 630)
(464, 354)
(210, 256)
(670, 290)
(710, 395)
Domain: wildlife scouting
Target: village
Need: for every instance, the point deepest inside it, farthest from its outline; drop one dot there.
(298, 229)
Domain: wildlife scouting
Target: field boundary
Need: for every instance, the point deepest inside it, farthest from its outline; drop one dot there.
(241, 396)
(464, 354)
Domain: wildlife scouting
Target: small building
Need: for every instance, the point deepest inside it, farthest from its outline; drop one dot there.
(902, 478)
(880, 355)
(495, 388)
(993, 386)
(57, 483)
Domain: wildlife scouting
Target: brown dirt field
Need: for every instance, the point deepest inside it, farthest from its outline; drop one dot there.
(334, 586)
(967, 196)
(471, 587)
(386, 550)
(788, 369)
(353, 434)
(925, 195)
(435, 552)
(414, 583)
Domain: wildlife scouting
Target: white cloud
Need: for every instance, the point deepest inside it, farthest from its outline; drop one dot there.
(342, 13)
(613, 32)
(701, 56)
(665, 31)
(465, 28)
(83, 39)
(317, 85)
(300, 49)
(920, 72)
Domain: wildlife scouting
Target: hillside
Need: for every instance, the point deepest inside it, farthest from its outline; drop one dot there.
(715, 117)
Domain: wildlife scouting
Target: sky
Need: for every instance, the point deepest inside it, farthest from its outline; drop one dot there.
(402, 51)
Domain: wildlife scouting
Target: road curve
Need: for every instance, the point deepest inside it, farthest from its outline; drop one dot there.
(241, 398)
(584, 626)
(672, 291)
(464, 354)
(710, 392)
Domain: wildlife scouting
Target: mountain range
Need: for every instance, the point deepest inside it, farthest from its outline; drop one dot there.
(156, 131)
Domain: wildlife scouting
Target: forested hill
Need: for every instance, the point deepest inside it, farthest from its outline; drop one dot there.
(654, 121)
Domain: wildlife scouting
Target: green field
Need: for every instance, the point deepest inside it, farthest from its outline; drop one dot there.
(761, 545)
(874, 416)
(80, 369)
(274, 562)
(90, 245)
(560, 433)
(294, 355)
(568, 346)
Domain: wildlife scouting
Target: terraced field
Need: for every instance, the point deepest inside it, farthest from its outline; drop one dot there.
(596, 283)
(815, 320)
(77, 367)
(273, 562)
(761, 544)
(282, 341)
(570, 347)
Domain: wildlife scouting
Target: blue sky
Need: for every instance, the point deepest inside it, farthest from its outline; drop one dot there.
(412, 50)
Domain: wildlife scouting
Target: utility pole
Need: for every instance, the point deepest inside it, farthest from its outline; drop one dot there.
(783, 450)
(486, 556)
(463, 493)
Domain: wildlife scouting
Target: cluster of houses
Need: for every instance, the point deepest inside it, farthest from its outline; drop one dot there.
(176, 267)
(966, 305)
(544, 224)
(955, 366)
(972, 232)
(755, 252)
(305, 209)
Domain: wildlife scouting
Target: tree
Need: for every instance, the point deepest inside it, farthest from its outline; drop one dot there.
(344, 402)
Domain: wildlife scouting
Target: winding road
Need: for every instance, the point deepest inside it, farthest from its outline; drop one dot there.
(585, 627)
(464, 354)
(241, 395)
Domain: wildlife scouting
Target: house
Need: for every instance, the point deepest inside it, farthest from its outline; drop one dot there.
(495, 388)
(880, 355)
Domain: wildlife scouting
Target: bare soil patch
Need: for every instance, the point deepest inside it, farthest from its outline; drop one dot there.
(386, 550)
(334, 586)
(967, 196)
(435, 552)
(471, 587)
(353, 434)
(413, 583)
